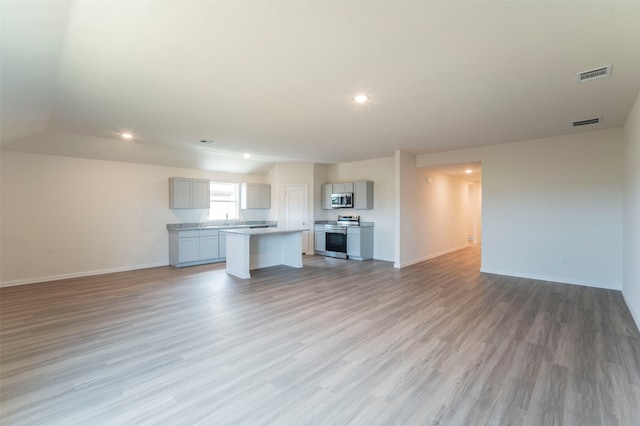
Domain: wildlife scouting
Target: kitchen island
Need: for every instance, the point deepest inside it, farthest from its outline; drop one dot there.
(256, 248)
(199, 243)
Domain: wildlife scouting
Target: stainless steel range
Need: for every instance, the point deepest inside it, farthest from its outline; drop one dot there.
(336, 236)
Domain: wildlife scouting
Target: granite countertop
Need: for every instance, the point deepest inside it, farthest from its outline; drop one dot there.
(220, 225)
(263, 231)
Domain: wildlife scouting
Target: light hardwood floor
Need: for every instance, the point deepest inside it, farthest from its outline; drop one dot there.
(336, 342)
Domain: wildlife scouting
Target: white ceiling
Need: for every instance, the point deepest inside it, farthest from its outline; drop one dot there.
(277, 79)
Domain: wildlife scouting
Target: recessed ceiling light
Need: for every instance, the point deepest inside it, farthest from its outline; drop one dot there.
(126, 136)
(246, 155)
(361, 99)
(468, 171)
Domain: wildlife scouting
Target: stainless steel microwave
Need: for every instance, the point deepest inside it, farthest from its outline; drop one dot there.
(342, 200)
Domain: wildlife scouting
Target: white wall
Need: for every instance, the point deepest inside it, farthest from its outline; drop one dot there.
(433, 210)
(292, 173)
(631, 280)
(320, 176)
(475, 212)
(64, 216)
(551, 199)
(381, 172)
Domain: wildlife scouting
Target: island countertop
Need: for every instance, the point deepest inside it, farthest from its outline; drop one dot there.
(262, 231)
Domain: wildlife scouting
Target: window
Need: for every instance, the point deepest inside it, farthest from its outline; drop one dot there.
(224, 201)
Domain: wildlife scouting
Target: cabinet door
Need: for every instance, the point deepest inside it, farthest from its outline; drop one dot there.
(185, 193)
(363, 195)
(325, 191)
(342, 187)
(179, 193)
(188, 249)
(353, 245)
(222, 245)
(200, 194)
(366, 243)
(208, 247)
(320, 241)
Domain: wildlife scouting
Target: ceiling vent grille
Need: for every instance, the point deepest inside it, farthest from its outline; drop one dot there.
(594, 74)
(586, 122)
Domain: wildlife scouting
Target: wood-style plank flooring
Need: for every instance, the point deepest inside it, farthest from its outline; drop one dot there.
(336, 342)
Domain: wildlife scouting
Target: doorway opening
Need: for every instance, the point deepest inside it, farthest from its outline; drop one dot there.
(471, 174)
(475, 212)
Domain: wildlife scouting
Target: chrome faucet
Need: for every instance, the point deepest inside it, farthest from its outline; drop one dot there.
(226, 219)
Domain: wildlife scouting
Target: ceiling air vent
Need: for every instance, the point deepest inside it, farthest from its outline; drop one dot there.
(594, 73)
(586, 122)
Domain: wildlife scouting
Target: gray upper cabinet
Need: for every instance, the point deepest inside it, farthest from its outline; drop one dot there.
(363, 195)
(255, 196)
(187, 193)
(342, 187)
(201, 191)
(325, 192)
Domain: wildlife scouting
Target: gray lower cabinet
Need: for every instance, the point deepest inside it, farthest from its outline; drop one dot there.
(195, 247)
(222, 245)
(209, 245)
(360, 242)
(319, 239)
(188, 249)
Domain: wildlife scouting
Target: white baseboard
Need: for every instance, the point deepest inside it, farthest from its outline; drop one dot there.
(563, 280)
(80, 274)
(430, 256)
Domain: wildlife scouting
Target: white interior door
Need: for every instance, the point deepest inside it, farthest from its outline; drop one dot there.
(296, 210)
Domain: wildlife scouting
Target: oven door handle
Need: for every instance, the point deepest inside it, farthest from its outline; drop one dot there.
(335, 229)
